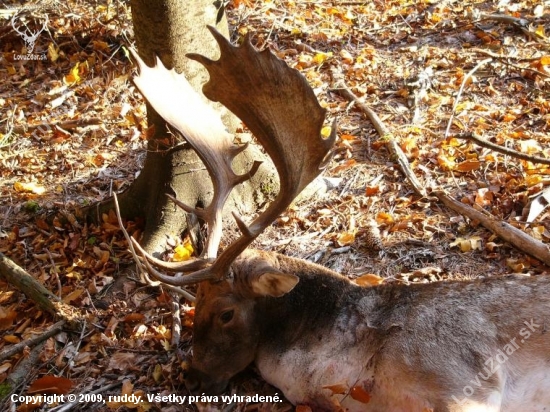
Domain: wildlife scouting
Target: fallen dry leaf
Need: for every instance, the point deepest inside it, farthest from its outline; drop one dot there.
(337, 389)
(51, 385)
(29, 188)
(369, 279)
(360, 394)
(346, 238)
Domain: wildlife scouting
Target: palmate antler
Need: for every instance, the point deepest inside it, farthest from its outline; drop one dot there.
(278, 106)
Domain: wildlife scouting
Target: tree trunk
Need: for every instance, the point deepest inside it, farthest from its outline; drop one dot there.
(169, 29)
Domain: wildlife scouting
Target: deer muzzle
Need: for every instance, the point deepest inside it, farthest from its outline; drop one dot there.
(198, 382)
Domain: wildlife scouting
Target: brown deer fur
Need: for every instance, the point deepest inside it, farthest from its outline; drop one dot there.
(478, 345)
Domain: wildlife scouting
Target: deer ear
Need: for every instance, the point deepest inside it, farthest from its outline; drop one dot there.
(274, 283)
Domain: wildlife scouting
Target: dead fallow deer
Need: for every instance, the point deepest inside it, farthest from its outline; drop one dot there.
(479, 345)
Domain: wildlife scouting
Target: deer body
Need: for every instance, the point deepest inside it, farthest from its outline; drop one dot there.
(448, 346)
(325, 342)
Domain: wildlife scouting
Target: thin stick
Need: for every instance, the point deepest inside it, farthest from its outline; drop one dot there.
(176, 322)
(68, 125)
(522, 24)
(126, 235)
(457, 100)
(68, 406)
(505, 56)
(59, 287)
(385, 135)
(503, 59)
(510, 152)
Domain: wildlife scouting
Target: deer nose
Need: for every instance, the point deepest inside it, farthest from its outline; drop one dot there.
(193, 382)
(198, 382)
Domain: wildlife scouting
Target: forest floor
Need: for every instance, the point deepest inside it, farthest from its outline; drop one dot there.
(73, 129)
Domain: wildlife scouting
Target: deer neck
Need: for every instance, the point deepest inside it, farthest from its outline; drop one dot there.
(314, 334)
(321, 298)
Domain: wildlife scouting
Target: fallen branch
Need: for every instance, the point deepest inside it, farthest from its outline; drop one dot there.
(510, 152)
(505, 18)
(504, 61)
(505, 56)
(24, 371)
(306, 48)
(385, 134)
(19, 347)
(505, 231)
(35, 291)
(522, 24)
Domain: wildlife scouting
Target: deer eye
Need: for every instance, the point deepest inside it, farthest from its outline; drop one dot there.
(226, 316)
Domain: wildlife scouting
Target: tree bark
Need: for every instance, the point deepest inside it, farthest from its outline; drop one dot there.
(169, 29)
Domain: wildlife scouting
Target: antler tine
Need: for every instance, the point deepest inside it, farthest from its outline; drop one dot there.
(282, 112)
(281, 109)
(186, 111)
(278, 106)
(191, 265)
(16, 27)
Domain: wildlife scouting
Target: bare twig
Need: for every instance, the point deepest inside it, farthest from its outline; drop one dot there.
(176, 321)
(54, 268)
(457, 99)
(68, 125)
(306, 48)
(505, 18)
(139, 266)
(346, 92)
(386, 135)
(515, 66)
(70, 405)
(505, 57)
(520, 23)
(72, 354)
(510, 152)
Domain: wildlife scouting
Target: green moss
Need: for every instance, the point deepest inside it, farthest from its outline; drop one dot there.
(32, 207)
(5, 390)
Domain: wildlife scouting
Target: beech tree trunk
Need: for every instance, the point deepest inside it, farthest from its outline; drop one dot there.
(170, 29)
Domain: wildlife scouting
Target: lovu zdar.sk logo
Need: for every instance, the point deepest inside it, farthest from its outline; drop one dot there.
(29, 28)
